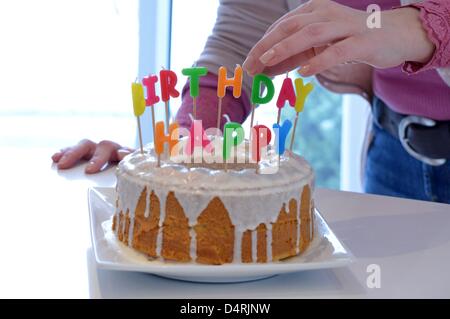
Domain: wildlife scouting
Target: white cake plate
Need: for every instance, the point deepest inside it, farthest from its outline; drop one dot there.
(325, 251)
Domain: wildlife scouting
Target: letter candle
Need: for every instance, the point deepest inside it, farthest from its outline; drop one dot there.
(194, 75)
(168, 82)
(161, 138)
(287, 93)
(223, 82)
(281, 133)
(302, 93)
(137, 92)
(230, 141)
(256, 91)
(261, 137)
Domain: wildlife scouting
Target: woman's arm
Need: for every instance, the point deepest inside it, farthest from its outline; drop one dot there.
(435, 18)
(239, 25)
(322, 34)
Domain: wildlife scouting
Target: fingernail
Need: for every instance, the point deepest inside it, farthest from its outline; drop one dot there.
(122, 153)
(249, 65)
(304, 70)
(63, 159)
(90, 166)
(266, 57)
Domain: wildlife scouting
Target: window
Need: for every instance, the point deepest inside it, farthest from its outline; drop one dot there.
(318, 136)
(66, 68)
(189, 35)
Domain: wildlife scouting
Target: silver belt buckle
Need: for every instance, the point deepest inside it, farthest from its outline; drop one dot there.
(403, 125)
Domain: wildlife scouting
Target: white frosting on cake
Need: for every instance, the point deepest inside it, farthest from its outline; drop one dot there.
(250, 198)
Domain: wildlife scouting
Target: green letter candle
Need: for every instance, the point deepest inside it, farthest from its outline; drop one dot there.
(256, 89)
(229, 140)
(194, 75)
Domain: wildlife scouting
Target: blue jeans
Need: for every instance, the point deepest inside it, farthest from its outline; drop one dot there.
(391, 171)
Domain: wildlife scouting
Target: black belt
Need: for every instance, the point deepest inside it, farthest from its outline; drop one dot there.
(425, 139)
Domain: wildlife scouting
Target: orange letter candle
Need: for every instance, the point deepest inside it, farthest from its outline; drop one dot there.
(223, 82)
(161, 138)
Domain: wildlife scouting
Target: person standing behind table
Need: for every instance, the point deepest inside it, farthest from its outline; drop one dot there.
(409, 154)
(242, 23)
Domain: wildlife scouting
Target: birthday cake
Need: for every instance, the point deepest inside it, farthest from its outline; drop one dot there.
(207, 214)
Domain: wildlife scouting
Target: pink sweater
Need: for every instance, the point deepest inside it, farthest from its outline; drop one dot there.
(412, 88)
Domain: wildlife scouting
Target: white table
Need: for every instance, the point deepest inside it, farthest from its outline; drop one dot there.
(45, 244)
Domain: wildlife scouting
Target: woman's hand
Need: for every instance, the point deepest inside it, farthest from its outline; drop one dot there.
(98, 154)
(321, 34)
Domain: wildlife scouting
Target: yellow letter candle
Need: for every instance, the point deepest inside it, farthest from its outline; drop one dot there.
(137, 92)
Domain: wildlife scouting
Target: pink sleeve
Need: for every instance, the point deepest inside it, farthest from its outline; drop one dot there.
(207, 104)
(435, 17)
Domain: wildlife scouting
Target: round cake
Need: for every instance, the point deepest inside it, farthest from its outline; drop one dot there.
(212, 214)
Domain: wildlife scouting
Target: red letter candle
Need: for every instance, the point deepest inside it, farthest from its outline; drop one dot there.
(287, 93)
(261, 137)
(149, 82)
(168, 81)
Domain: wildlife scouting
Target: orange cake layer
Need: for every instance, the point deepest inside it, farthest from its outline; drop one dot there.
(215, 234)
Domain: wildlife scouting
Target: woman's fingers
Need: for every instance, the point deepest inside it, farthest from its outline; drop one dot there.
(312, 35)
(104, 152)
(350, 49)
(289, 64)
(57, 156)
(284, 29)
(73, 154)
(97, 154)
